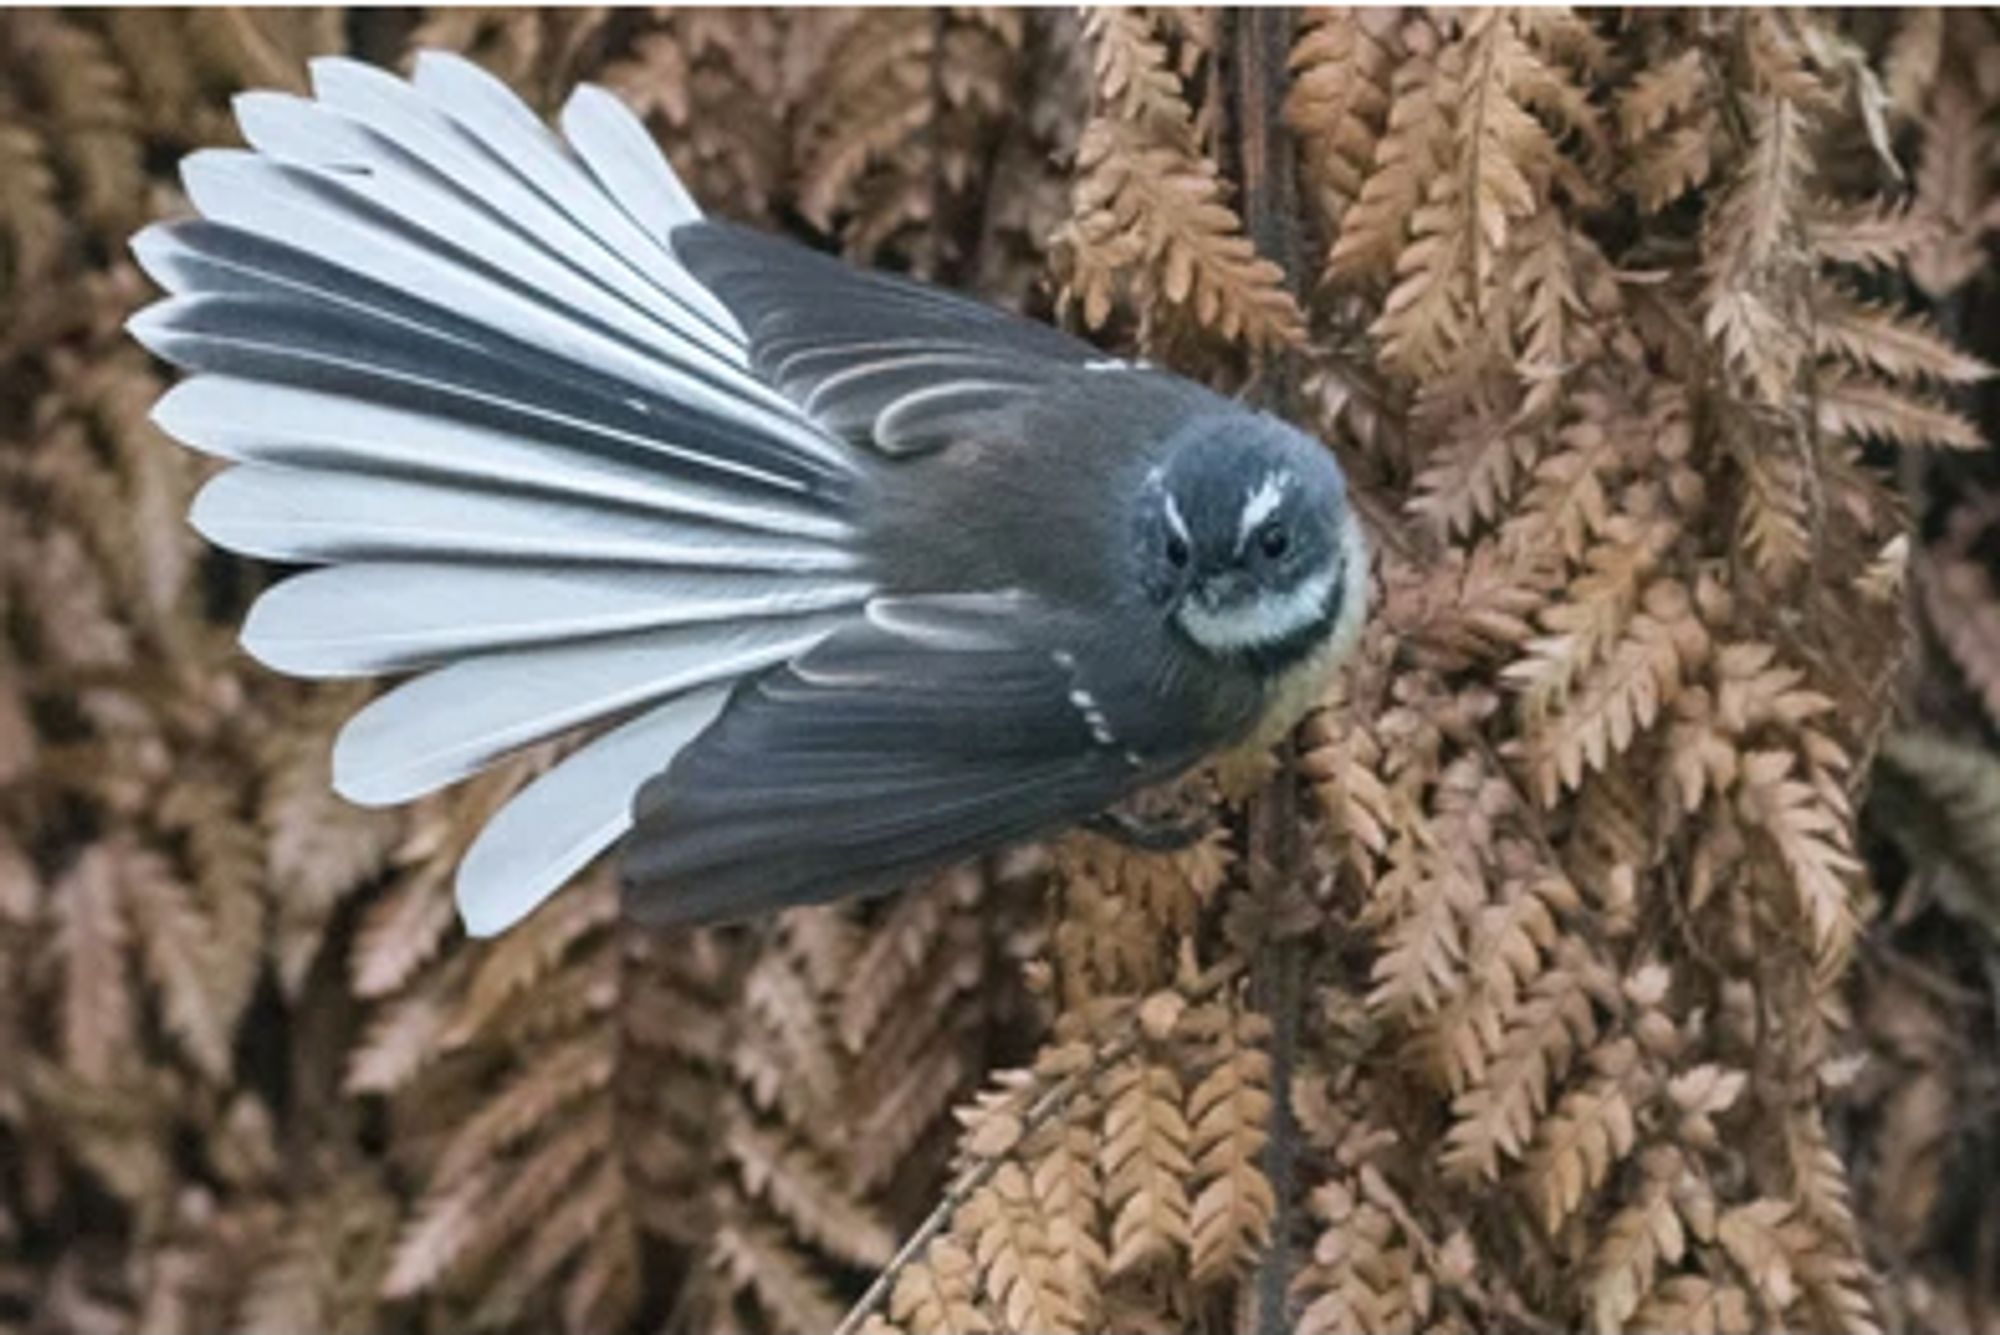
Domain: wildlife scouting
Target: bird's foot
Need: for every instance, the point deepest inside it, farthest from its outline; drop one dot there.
(1152, 834)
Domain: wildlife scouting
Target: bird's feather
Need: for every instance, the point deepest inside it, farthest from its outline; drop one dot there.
(458, 362)
(249, 421)
(453, 721)
(562, 820)
(395, 616)
(880, 361)
(936, 729)
(316, 515)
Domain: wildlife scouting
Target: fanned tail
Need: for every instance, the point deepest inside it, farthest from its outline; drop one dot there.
(455, 363)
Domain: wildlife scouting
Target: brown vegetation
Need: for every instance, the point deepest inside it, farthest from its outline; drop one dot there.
(1551, 981)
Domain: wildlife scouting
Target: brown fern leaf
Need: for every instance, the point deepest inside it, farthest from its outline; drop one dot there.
(318, 850)
(1955, 190)
(1412, 151)
(874, 99)
(31, 223)
(1495, 1116)
(1146, 1164)
(937, 1295)
(1756, 1238)
(323, 1269)
(1227, 1115)
(439, 1235)
(1667, 116)
(1695, 1305)
(526, 1104)
(1478, 455)
(1422, 901)
(1362, 1275)
(1875, 234)
(1622, 696)
(1505, 944)
(561, 1204)
(1020, 1268)
(404, 1036)
(1141, 203)
(1901, 347)
(402, 932)
(1568, 502)
(1778, 501)
(82, 97)
(522, 959)
(1811, 840)
(1133, 75)
(1756, 258)
(1641, 1237)
(759, 1260)
(1342, 65)
(1593, 614)
(808, 1195)
(227, 857)
(1591, 1131)
(1497, 169)
(1861, 407)
(98, 1008)
(179, 952)
(1063, 1168)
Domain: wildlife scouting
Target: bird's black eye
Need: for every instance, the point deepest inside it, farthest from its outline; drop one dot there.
(1177, 550)
(1273, 541)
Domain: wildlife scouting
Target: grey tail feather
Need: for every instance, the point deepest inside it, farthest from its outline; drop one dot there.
(456, 362)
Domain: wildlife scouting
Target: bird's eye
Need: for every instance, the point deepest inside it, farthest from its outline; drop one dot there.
(1273, 540)
(1177, 551)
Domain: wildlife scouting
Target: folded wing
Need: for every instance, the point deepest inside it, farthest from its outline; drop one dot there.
(937, 729)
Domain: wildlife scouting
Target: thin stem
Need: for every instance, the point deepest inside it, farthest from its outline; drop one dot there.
(1261, 40)
(1040, 1113)
(976, 1174)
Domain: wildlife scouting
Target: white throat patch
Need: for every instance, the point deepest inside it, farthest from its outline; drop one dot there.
(1267, 620)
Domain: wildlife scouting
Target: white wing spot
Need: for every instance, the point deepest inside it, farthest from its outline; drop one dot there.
(1093, 717)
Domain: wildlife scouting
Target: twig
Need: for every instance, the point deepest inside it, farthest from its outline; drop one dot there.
(1261, 41)
(1052, 1101)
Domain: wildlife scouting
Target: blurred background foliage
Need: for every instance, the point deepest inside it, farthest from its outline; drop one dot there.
(1619, 950)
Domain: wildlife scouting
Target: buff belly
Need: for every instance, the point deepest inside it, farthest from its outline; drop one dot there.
(1296, 691)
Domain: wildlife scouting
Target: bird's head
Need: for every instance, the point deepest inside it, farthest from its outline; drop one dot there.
(1246, 541)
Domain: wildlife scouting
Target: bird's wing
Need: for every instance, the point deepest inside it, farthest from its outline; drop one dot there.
(454, 363)
(939, 728)
(881, 361)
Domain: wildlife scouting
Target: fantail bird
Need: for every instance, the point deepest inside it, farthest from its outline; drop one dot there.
(866, 577)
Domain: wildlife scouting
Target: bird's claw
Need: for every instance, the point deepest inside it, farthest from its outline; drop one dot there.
(1152, 834)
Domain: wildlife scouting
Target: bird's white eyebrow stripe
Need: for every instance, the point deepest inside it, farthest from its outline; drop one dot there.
(1262, 504)
(1176, 522)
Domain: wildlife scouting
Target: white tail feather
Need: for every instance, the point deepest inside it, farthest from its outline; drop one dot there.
(252, 421)
(308, 515)
(375, 617)
(452, 722)
(557, 824)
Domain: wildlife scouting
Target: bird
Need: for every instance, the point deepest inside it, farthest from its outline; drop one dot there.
(849, 578)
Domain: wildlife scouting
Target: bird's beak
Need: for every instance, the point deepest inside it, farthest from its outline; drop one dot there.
(1224, 588)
